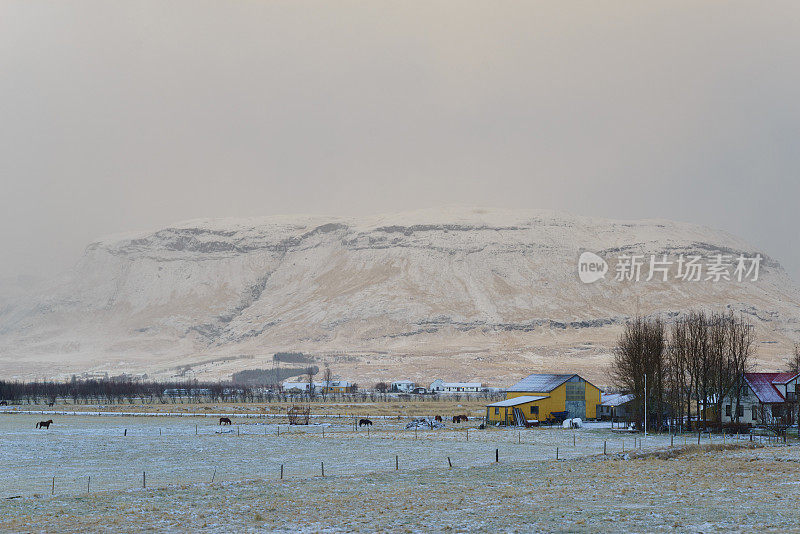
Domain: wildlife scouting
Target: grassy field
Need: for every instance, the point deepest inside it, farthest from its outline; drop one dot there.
(687, 489)
(201, 476)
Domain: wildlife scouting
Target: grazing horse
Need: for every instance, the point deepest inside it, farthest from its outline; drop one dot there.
(44, 424)
(459, 418)
(438, 418)
(364, 422)
(51, 403)
(3, 403)
(225, 421)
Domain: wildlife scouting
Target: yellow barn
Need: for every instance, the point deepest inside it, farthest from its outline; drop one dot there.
(537, 396)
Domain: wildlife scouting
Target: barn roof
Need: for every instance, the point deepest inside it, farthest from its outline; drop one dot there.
(519, 400)
(540, 382)
(763, 385)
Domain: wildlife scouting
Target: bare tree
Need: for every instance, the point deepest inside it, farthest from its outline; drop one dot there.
(327, 376)
(310, 372)
(381, 387)
(794, 362)
(641, 352)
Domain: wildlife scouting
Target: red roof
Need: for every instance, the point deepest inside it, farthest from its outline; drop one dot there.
(763, 384)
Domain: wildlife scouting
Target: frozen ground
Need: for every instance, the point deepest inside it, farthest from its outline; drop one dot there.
(528, 490)
(688, 490)
(115, 451)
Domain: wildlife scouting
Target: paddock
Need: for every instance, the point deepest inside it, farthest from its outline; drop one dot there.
(125, 452)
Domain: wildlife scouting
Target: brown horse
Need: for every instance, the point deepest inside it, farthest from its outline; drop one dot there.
(225, 421)
(438, 418)
(44, 424)
(459, 418)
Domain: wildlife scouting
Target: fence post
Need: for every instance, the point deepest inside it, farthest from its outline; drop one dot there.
(125, 432)
(88, 482)
(556, 453)
(497, 455)
(144, 479)
(53, 490)
(281, 471)
(322, 465)
(396, 462)
(604, 447)
(467, 429)
(195, 429)
(214, 476)
(449, 462)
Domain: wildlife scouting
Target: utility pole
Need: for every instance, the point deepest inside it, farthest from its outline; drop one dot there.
(645, 405)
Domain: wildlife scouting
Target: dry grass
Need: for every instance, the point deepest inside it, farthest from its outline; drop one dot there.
(700, 489)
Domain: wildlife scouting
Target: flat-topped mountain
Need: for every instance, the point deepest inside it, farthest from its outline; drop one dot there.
(473, 294)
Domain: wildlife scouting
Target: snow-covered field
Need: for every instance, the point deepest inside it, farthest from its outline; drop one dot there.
(115, 451)
(688, 489)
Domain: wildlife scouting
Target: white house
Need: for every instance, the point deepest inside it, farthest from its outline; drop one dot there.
(761, 398)
(440, 386)
(402, 386)
(295, 387)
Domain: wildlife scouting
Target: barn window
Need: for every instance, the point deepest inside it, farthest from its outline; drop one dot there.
(728, 410)
(576, 391)
(534, 410)
(497, 411)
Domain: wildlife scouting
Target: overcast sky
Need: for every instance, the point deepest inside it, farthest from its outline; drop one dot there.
(118, 116)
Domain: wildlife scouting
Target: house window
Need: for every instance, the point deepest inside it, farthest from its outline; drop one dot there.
(755, 412)
(728, 410)
(497, 411)
(534, 410)
(739, 410)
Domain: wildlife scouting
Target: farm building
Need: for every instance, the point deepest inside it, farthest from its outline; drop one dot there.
(440, 386)
(402, 386)
(537, 397)
(615, 406)
(761, 398)
(335, 386)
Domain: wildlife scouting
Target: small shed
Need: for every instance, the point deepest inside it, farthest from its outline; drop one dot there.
(510, 411)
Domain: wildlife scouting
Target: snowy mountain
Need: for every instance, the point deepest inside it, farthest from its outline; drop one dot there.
(478, 294)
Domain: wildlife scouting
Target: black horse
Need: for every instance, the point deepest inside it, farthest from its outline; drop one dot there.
(225, 421)
(44, 424)
(364, 422)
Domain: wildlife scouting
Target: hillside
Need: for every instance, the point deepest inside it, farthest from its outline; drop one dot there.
(473, 294)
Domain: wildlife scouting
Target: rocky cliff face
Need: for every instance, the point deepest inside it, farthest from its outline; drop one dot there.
(462, 293)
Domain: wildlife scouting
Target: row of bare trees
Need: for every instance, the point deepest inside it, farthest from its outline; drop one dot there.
(685, 369)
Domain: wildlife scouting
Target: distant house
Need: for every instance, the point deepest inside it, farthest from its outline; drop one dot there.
(538, 396)
(614, 406)
(440, 386)
(321, 387)
(335, 386)
(294, 387)
(402, 386)
(761, 398)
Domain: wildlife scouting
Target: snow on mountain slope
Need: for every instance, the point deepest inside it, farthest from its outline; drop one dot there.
(464, 293)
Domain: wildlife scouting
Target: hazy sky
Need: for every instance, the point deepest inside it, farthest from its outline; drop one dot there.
(118, 116)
